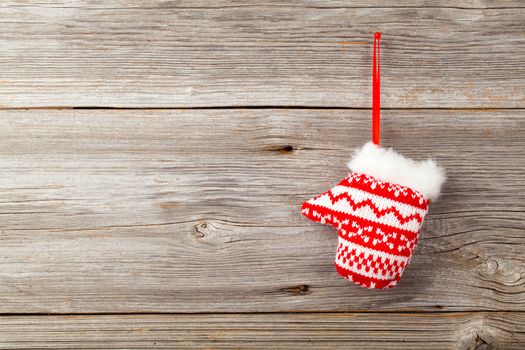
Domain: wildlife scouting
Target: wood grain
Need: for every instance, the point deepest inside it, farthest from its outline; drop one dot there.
(454, 331)
(198, 210)
(220, 53)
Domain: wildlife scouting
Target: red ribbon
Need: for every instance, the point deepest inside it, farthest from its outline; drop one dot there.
(376, 94)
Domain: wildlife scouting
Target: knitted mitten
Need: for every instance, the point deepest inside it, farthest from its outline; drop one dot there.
(378, 210)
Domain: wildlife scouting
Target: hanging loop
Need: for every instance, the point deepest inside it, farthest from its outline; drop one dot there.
(376, 93)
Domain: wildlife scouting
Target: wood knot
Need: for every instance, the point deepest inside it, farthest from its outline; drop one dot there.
(492, 266)
(302, 289)
(201, 230)
(482, 344)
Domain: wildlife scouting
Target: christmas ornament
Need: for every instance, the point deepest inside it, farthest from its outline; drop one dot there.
(378, 209)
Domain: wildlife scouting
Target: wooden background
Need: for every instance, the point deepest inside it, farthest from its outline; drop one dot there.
(154, 156)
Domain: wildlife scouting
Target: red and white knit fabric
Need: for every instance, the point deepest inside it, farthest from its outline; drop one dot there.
(378, 225)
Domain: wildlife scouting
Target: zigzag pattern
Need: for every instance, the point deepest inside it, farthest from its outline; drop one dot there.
(385, 189)
(378, 212)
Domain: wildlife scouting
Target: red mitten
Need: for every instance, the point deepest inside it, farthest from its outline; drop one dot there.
(378, 210)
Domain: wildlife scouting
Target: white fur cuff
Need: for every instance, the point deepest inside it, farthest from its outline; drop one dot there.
(387, 165)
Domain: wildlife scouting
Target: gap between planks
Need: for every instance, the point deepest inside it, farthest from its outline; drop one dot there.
(286, 312)
(254, 107)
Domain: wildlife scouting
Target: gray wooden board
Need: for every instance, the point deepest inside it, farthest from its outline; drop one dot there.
(198, 210)
(454, 331)
(221, 53)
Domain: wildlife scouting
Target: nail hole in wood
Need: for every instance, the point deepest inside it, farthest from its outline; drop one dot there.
(302, 289)
(283, 149)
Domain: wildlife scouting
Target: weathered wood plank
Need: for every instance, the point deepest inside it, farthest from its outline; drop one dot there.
(198, 210)
(267, 331)
(313, 53)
